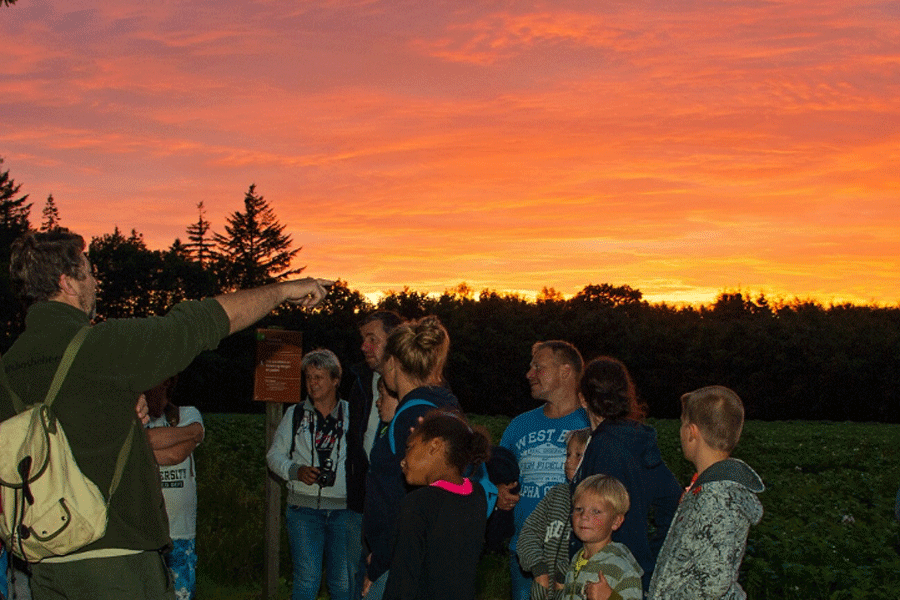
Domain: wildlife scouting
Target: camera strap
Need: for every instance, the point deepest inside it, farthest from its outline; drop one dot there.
(320, 425)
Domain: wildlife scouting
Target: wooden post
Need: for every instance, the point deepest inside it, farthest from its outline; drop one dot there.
(272, 547)
(277, 381)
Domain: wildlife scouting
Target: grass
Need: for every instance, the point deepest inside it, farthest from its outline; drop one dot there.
(828, 530)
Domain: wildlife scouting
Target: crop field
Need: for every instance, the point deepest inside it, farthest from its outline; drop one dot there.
(828, 532)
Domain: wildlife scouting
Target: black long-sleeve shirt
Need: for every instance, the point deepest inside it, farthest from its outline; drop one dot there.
(439, 539)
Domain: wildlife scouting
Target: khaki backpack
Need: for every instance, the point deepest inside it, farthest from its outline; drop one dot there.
(49, 507)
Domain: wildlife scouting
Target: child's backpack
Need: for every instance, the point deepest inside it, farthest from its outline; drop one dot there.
(478, 474)
(47, 505)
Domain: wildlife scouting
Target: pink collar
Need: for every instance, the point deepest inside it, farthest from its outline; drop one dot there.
(463, 489)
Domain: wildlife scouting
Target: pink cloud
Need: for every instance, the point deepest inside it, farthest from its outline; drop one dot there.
(682, 148)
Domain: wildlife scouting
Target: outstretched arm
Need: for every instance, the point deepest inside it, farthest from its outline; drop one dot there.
(246, 307)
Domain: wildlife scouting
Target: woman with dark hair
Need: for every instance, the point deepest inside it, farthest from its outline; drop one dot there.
(625, 448)
(415, 355)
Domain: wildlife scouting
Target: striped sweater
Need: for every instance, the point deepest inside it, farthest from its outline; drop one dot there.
(544, 541)
(615, 561)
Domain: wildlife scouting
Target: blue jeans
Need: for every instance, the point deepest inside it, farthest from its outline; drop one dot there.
(520, 581)
(336, 536)
(376, 591)
(4, 564)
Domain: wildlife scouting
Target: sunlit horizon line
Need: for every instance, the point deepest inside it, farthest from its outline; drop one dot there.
(683, 299)
(670, 293)
(684, 296)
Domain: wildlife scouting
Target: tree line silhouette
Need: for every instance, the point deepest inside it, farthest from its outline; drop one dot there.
(795, 359)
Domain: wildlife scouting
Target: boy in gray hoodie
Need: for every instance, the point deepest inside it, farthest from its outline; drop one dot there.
(703, 550)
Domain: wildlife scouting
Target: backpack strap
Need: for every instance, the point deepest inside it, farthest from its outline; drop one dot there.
(120, 464)
(479, 475)
(410, 404)
(295, 424)
(64, 365)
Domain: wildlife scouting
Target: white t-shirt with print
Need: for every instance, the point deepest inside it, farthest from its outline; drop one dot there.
(179, 482)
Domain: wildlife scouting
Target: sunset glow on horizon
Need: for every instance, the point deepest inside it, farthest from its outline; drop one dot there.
(683, 149)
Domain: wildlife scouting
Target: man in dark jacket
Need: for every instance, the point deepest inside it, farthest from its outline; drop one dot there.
(364, 420)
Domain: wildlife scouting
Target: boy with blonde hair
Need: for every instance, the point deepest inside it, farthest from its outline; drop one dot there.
(703, 550)
(602, 569)
(544, 540)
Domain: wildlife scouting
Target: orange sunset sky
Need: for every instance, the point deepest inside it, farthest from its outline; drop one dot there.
(683, 148)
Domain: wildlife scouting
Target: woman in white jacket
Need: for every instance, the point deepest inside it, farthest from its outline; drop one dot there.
(309, 452)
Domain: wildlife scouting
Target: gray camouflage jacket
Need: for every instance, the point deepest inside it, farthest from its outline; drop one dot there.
(702, 554)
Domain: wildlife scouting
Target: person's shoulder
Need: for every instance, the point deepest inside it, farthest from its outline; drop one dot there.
(560, 492)
(520, 425)
(576, 419)
(723, 501)
(635, 438)
(558, 498)
(618, 549)
(733, 470)
(362, 377)
(289, 412)
(361, 369)
(527, 417)
(157, 422)
(619, 553)
(427, 495)
(188, 415)
(422, 400)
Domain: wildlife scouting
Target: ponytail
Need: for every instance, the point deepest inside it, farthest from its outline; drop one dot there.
(466, 444)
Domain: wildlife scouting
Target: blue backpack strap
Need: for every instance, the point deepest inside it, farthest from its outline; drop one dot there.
(479, 475)
(410, 404)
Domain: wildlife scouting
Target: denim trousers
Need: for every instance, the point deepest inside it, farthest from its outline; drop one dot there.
(376, 590)
(332, 535)
(520, 581)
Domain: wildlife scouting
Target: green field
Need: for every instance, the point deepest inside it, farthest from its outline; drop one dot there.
(828, 530)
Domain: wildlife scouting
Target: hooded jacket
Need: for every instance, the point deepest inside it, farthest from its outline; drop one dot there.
(702, 554)
(286, 464)
(628, 451)
(385, 485)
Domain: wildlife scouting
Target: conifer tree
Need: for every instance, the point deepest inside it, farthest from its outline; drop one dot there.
(13, 222)
(13, 211)
(50, 214)
(255, 250)
(201, 246)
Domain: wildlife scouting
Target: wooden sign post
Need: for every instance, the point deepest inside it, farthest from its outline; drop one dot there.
(277, 380)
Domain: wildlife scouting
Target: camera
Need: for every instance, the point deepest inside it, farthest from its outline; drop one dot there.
(327, 476)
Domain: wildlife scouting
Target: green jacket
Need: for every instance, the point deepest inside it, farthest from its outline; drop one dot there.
(120, 359)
